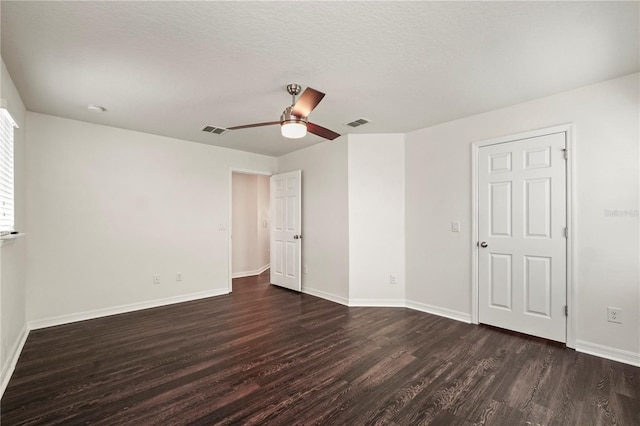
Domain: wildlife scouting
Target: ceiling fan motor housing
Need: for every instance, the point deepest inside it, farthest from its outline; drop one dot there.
(288, 117)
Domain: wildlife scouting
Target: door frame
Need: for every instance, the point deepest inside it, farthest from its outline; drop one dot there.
(233, 170)
(569, 131)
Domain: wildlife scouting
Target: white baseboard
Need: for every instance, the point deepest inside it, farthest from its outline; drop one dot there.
(98, 313)
(324, 295)
(12, 359)
(614, 354)
(390, 303)
(250, 273)
(377, 303)
(443, 312)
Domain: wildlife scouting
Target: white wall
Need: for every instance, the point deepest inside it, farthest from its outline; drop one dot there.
(376, 219)
(108, 208)
(264, 221)
(245, 229)
(325, 217)
(250, 237)
(12, 253)
(438, 191)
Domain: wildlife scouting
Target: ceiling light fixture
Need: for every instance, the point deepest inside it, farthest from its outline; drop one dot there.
(96, 108)
(292, 126)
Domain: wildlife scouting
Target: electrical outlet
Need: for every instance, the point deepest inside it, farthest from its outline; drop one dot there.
(156, 278)
(393, 279)
(614, 315)
(178, 276)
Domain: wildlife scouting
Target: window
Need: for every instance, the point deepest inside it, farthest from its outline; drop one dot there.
(7, 124)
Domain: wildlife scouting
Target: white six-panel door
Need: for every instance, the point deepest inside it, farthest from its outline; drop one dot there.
(521, 230)
(286, 227)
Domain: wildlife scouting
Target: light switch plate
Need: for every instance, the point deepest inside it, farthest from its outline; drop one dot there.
(455, 226)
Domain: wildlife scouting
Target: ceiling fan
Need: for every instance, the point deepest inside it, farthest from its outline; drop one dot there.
(294, 122)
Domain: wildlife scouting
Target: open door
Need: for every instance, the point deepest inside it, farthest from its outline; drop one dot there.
(286, 229)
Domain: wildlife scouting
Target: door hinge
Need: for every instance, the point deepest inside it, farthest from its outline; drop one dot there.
(565, 153)
(566, 310)
(566, 232)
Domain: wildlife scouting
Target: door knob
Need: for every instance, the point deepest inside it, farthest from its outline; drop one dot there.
(296, 237)
(484, 244)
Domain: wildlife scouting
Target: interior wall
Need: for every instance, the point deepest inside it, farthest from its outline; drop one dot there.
(438, 191)
(376, 220)
(325, 217)
(12, 253)
(245, 229)
(250, 240)
(264, 221)
(109, 208)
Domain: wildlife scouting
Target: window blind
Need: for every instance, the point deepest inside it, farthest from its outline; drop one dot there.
(7, 209)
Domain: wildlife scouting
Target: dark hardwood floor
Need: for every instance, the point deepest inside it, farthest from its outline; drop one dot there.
(264, 355)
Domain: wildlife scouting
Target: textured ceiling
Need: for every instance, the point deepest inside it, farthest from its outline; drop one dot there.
(169, 68)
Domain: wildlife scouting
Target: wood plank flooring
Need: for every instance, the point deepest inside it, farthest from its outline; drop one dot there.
(265, 355)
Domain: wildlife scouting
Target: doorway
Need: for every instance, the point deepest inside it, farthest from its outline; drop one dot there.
(522, 220)
(249, 224)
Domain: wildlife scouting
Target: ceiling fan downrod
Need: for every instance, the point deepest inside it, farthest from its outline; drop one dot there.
(294, 90)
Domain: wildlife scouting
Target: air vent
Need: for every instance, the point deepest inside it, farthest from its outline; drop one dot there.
(358, 122)
(215, 130)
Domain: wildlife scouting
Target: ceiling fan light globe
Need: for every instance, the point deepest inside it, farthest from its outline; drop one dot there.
(293, 129)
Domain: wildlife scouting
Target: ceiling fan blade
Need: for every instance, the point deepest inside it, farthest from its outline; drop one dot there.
(322, 131)
(246, 126)
(309, 99)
